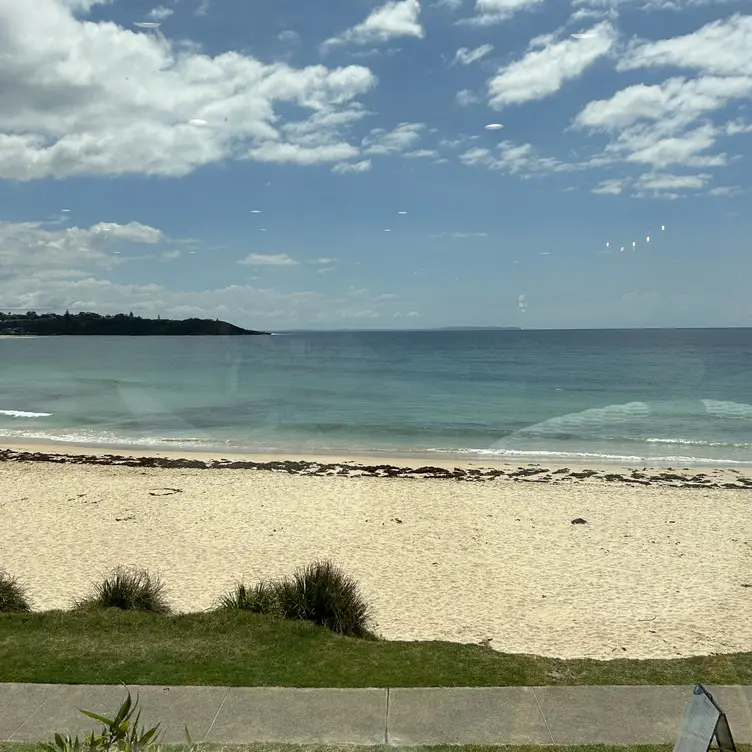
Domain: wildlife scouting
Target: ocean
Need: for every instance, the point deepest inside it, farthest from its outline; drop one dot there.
(664, 397)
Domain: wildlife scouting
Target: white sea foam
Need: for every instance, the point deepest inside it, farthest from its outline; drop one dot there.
(24, 414)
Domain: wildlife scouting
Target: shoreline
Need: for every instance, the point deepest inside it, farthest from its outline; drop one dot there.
(356, 465)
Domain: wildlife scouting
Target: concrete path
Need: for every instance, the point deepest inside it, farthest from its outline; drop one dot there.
(400, 717)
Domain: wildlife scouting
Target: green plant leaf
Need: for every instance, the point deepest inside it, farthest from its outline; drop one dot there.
(124, 708)
(148, 736)
(100, 718)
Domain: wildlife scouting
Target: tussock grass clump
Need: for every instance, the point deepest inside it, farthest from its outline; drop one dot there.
(12, 594)
(324, 594)
(129, 589)
(258, 599)
(319, 592)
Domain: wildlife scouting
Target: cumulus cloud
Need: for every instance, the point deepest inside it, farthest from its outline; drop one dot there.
(489, 12)
(542, 72)
(268, 259)
(466, 56)
(83, 97)
(345, 168)
(397, 18)
(666, 124)
(382, 142)
(722, 48)
(38, 251)
(672, 123)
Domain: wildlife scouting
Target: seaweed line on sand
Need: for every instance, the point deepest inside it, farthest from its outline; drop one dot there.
(530, 474)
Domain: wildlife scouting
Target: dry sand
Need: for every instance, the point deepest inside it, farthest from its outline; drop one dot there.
(657, 572)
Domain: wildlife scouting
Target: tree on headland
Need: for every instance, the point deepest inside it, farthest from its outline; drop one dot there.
(86, 322)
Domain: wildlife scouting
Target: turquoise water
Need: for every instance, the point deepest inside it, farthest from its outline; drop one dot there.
(664, 396)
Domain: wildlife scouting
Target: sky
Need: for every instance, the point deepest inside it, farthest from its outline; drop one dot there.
(283, 164)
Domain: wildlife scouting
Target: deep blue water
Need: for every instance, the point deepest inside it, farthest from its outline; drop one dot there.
(666, 396)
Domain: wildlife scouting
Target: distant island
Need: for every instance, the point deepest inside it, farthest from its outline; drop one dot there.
(478, 329)
(47, 324)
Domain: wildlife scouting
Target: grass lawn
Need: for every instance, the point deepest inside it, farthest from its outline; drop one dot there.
(244, 649)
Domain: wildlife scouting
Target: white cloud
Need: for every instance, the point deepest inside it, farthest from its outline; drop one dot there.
(658, 124)
(670, 123)
(344, 168)
(725, 190)
(465, 56)
(602, 7)
(610, 187)
(268, 259)
(160, 13)
(304, 155)
(134, 232)
(466, 235)
(678, 99)
(397, 18)
(51, 269)
(421, 154)
(542, 72)
(96, 98)
(514, 159)
(661, 182)
(489, 12)
(35, 251)
(403, 137)
(450, 4)
(737, 127)
(722, 48)
(289, 36)
(466, 97)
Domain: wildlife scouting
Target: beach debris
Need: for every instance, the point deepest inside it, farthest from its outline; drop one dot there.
(295, 467)
(747, 584)
(494, 127)
(579, 521)
(398, 520)
(125, 519)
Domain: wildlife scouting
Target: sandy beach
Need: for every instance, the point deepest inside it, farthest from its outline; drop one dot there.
(661, 568)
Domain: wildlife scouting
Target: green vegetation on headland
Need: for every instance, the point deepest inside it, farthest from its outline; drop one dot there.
(238, 648)
(47, 324)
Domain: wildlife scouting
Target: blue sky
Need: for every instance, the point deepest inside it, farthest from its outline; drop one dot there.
(249, 161)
